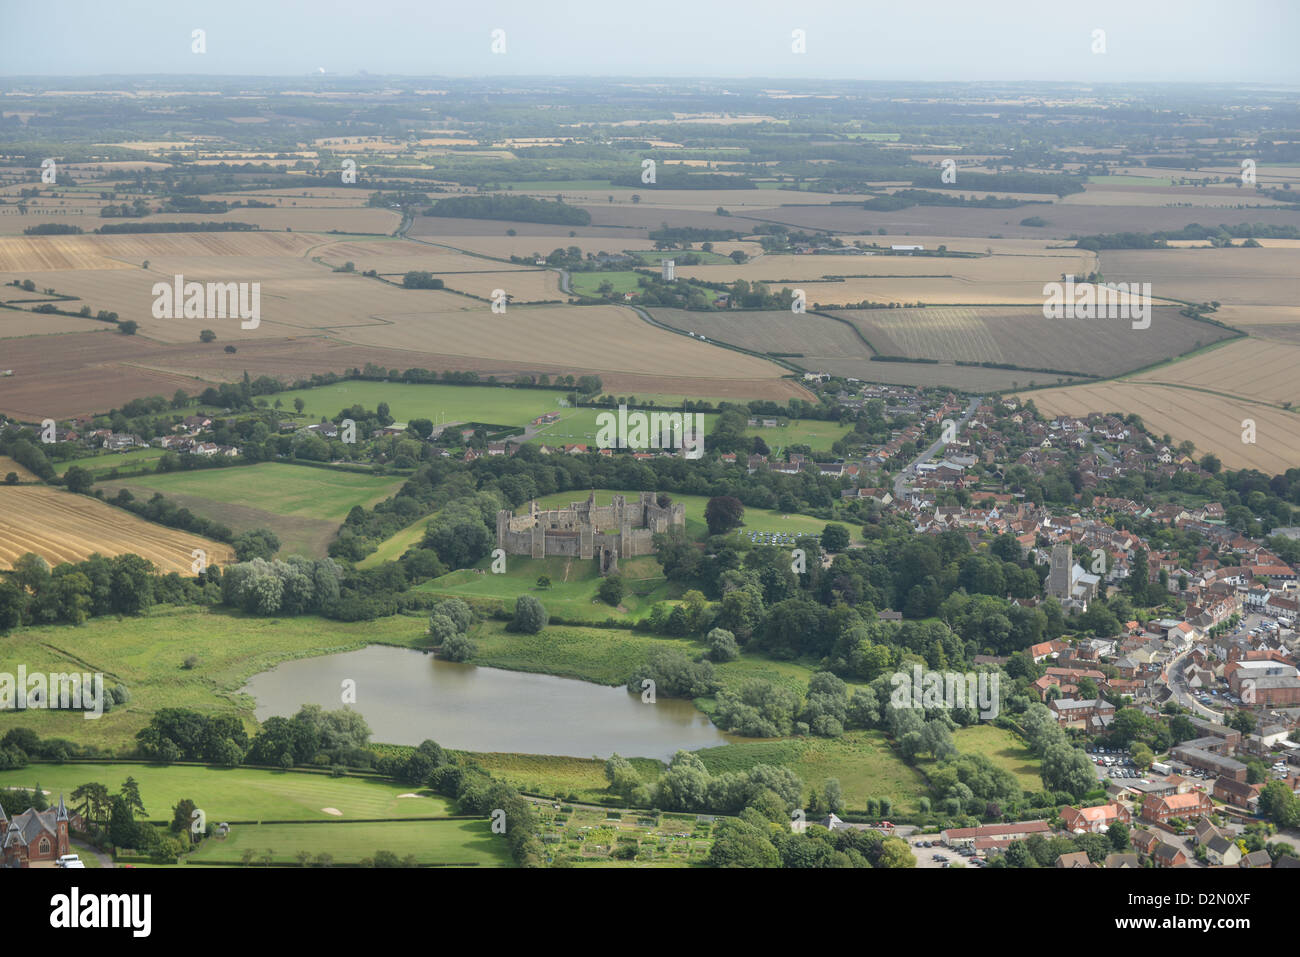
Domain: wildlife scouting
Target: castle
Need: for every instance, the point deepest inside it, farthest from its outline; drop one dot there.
(587, 530)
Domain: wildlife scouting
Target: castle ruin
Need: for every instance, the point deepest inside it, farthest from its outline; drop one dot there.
(587, 530)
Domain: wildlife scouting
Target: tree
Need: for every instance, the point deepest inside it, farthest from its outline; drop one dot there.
(722, 645)
(183, 815)
(207, 335)
(543, 581)
(835, 538)
(299, 404)
(128, 327)
(723, 513)
(457, 647)
(1142, 756)
(530, 615)
(78, 479)
(611, 590)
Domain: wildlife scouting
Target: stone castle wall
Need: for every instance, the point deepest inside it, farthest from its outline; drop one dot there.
(621, 529)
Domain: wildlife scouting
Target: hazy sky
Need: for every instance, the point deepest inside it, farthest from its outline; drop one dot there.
(1181, 40)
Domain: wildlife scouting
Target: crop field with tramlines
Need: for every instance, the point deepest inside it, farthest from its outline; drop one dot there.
(63, 527)
(1028, 340)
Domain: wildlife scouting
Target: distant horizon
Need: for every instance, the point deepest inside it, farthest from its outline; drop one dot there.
(946, 41)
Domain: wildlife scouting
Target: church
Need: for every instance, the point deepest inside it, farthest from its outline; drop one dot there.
(37, 837)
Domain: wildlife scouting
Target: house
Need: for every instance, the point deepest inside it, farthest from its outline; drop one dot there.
(1162, 809)
(1237, 793)
(1205, 831)
(1220, 850)
(1092, 820)
(1144, 840)
(1119, 861)
(37, 837)
(1047, 649)
(1167, 855)
(1073, 860)
(1259, 859)
(999, 834)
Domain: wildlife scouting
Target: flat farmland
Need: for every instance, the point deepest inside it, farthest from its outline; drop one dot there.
(520, 285)
(1025, 338)
(1213, 422)
(557, 234)
(503, 247)
(1279, 322)
(771, 331)
(303, 505)
(1063, 220)
(63, 527)
(1267, 276)
(86, 372)
(937, 375)
(400, 256)
(449, 403)
(345, 219)
(1247, 368)
(15, 323)
(994, 280)
(596, 338)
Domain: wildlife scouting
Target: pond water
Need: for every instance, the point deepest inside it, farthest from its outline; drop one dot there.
(407, 696)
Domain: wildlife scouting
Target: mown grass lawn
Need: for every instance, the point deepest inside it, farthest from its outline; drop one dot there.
(238, 794)
(431, 842)
(393, 548)
(281, 487)
(572, 593)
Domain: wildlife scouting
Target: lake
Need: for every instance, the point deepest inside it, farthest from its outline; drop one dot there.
(407, 696)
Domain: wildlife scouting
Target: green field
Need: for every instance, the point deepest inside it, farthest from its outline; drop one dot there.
(431, 842)
(814, 433)
(863, 762)
(1004, 749)
(391, 549)
(579, 426)
(238, 794)
(147, 654)
(574, 583)
(1103, 181)
(105, 462)
(588, 283)
(302, 504)
(439, 403)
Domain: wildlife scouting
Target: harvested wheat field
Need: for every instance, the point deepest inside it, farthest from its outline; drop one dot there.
(1250, 368)
(64, 527)
(1025, 338)
(389, 257)
(532, 285)
(1258, 277)
(603, 339)
(8, 465)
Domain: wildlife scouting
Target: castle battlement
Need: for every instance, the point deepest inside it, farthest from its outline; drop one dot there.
(621, 529)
